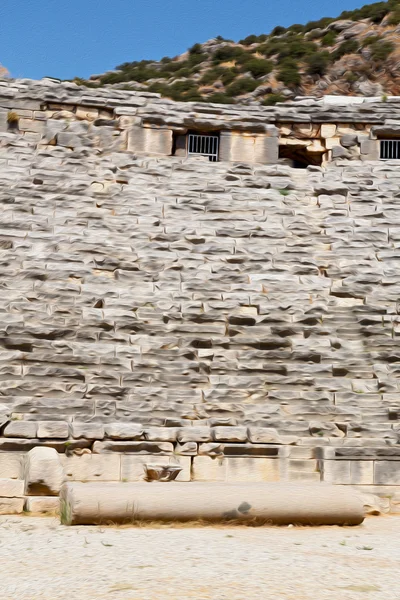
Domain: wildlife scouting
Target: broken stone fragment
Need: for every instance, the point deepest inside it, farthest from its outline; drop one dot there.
(162, 472)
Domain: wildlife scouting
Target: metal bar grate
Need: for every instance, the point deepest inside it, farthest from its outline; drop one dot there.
(390, 149)
(206, 145)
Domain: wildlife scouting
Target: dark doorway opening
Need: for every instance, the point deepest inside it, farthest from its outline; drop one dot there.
(299, 156)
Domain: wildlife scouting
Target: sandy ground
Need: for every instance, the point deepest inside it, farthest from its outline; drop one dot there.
(41, 559)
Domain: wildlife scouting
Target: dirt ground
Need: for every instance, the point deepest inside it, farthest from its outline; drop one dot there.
(40, 559)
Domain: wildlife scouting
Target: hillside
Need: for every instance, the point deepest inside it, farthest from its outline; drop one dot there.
(357, 53)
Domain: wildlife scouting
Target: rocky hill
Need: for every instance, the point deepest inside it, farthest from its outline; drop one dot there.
(357, 53)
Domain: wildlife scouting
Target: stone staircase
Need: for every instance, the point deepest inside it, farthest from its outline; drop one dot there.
(239, 319)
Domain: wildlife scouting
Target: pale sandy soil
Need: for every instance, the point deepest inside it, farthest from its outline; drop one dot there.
(40, 559)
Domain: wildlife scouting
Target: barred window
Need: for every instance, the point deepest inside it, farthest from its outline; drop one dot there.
(390, 149)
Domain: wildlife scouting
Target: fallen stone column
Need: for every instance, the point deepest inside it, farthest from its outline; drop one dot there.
(275, 503)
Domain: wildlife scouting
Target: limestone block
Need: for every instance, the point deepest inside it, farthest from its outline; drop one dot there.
(336, 471)
(92, 467)
(43, 505)
(316, 146)
(21, 429)
(387, 472)
(229, 434)
(206, 468)
(11, 488)
(124, 431)
(362, 472)
(150, 141)
(11, 465)
(11, 506)
(263, 435)
(194, 434)
(87, 431)
(370, 148)
(31, 125)
(266, 149)
(161, 434)
(248, 148)
(133, 467)
(86, 113)
(53, 430)
(328, 130)
(339, 152)
(43, 472)
(187, 449)
(252, 469)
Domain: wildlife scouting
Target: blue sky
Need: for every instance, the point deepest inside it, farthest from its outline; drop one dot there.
(67, 38)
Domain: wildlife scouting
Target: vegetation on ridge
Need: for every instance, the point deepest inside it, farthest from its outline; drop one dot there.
(357, 53)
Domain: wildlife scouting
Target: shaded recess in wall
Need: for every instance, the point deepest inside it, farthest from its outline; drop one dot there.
(300, 158)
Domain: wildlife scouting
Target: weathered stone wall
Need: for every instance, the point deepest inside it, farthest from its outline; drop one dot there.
(54, 113)
(240, 320)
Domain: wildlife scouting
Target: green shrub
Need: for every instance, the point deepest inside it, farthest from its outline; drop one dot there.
(197, 59)
(351, 77)
(371, 39)
(227, 53)
(241, 86)
(211, 75)
(185, 72)
(228, 75)
(329, 38)
(196, 49)
(296, 28)
(259, 67)
(318, 63)
(289, 74)
(278, 30)
(250, 39)
(220, 98)
(272, 47)
(347, 47)
(380, 50)
(273, 99)
(297, 48)
(394, 18)
(375, 12)
(244, 58)
(321, 24)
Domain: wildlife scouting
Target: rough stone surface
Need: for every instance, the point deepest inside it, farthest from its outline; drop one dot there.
(43, 472)
(173, 307)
